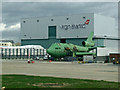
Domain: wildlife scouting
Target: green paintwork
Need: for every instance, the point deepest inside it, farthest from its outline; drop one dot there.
(59, 50)
(85, 53)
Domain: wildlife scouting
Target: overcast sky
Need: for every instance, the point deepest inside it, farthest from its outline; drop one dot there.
(12, 12)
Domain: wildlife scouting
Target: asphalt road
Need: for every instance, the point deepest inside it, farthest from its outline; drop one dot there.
(94, 71)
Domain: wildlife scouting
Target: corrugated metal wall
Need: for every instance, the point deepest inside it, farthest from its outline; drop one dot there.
(44, 43)
(47, 43)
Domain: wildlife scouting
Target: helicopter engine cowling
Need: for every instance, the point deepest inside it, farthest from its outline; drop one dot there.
(87, 44)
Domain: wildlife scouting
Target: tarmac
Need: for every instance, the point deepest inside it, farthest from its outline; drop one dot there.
(92, 71)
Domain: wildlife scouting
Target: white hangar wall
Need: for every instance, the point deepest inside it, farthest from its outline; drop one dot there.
(76, 20)
(111, 46)
(104, 26)
(39, 30)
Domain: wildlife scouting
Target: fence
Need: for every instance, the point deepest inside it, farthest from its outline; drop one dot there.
(21, 53)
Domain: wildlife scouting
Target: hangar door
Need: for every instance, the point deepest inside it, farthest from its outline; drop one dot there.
(52, 31)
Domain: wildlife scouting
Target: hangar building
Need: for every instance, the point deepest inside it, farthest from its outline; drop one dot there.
(71, 29)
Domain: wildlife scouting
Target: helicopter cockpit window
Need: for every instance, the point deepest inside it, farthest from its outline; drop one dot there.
(57, 48)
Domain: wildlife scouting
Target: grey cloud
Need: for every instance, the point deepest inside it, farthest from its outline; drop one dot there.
(11, 35)
(12, 12)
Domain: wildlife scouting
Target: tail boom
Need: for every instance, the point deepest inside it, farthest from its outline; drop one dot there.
(89, 42)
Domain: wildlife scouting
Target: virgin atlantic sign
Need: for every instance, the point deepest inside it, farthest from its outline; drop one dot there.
(75, 26)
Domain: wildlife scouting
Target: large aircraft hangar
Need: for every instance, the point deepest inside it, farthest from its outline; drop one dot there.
(71, 29)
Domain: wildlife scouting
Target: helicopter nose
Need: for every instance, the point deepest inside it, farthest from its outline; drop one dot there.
(48, 51)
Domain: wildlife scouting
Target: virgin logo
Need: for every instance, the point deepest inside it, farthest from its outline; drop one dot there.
(87, 21)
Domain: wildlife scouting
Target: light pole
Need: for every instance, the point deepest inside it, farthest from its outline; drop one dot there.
(29, 49)
(105, 39)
